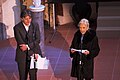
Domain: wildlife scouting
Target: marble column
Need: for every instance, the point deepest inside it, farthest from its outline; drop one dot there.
(38, 18)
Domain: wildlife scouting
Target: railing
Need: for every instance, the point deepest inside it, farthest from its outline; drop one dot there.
(72, 1)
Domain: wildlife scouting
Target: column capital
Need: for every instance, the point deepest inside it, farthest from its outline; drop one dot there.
(37, 9)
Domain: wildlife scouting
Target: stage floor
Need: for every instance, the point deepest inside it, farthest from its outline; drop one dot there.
(107, 65)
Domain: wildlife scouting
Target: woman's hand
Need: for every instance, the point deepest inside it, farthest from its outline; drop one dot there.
(72, 51)
(86, 52)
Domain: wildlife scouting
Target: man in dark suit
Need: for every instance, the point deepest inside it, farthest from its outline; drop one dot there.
(27, 36)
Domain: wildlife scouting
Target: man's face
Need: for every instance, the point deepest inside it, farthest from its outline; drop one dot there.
(26, 20)
(83, 28)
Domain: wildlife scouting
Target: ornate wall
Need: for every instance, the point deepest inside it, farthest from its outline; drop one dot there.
(9, 16)
(2, 25)
(59, 11)
(0, 11)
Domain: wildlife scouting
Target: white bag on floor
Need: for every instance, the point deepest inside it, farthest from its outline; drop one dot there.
(41, 63)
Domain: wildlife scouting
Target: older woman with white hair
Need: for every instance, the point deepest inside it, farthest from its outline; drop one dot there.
(84, 48)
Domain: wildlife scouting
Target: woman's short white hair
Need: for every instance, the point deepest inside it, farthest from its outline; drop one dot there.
(84, 21)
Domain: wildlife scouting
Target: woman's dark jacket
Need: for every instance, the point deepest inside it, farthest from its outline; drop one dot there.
(90, 43)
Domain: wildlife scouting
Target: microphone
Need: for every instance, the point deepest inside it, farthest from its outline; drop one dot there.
(35, 58)
(82, 38)
(80, 62)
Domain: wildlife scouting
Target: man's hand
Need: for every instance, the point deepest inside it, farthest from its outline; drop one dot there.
(36, 56)
(23, 47)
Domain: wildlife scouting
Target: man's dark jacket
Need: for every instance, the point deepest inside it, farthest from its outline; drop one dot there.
(31, 38)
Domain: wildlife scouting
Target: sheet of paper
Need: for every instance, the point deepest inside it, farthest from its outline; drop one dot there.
(78, 50)
(41, 63)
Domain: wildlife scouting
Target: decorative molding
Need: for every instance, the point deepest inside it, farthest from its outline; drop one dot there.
(0, 13)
